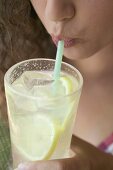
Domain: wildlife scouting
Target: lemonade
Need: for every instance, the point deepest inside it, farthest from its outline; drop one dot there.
(41, 113)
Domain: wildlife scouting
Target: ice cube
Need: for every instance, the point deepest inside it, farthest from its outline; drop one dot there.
(31, 79)
(22, 101)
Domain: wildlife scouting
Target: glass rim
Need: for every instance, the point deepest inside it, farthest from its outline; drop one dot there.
(7, 74)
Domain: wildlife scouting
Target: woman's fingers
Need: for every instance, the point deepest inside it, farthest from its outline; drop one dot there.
(87, 157)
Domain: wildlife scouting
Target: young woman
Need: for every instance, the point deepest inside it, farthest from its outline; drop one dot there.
(86, 26)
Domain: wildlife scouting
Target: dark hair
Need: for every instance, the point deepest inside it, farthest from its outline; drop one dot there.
(22, 36)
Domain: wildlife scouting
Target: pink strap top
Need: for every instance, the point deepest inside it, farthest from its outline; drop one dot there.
(107, 145)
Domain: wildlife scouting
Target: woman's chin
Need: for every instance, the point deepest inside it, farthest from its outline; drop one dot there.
(79, 53)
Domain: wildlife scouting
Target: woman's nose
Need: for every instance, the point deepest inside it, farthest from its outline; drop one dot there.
(59, 10)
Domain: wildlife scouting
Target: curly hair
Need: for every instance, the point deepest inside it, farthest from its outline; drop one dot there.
(22, 36)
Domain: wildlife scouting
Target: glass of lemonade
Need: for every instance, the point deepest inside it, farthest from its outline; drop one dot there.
(41, 111)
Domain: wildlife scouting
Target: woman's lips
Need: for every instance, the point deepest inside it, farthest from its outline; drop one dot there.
(68, 42)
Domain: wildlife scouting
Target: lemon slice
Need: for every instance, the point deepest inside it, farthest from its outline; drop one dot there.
(37, 138)
(67, 83)
(70, 84)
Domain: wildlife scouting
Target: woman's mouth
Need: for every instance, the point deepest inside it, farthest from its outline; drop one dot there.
(68, 42)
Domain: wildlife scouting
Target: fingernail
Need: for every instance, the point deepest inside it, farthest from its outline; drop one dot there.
(22, 167)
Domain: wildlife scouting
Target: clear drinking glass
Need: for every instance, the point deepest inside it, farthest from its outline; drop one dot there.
(41, 112)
